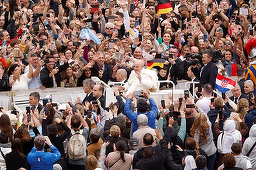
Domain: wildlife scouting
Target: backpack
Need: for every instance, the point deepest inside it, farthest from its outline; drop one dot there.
(77, 146)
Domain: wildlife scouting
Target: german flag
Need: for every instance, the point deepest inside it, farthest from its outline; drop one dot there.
(164, 7)
(155, 62)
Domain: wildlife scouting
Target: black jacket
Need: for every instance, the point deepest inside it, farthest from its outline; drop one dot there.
(14, 162)
(213, 113)
(177, 70)
(107, 74)
(88, 98)
(157, 161)
(4, 83)
(48, 81)
(209, 74)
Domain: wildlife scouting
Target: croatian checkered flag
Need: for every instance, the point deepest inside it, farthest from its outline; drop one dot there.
(224, 84)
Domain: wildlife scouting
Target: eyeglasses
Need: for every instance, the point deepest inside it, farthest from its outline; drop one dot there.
(227, 43)
(109, 28)
(181, 11)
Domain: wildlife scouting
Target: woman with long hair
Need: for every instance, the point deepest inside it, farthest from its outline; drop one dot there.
(91, 163)
(24, 136)
(16, 159)
(119, 158)
(70, 77)
(242, 108)
(202, 133)
(6, 127)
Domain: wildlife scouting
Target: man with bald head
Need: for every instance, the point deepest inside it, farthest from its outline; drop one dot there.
(121, 75)
(194, 50)
(140, 78)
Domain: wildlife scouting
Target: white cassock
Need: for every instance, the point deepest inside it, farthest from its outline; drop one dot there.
(148, 81)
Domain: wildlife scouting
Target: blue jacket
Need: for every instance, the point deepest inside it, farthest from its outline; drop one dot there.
(40, 160)
(133, 116)
(249, 117)
(230, 10)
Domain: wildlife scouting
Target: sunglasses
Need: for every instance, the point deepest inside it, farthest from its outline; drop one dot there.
(109, 28)
(228, 43)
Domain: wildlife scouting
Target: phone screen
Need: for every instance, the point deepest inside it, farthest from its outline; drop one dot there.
(163, 103)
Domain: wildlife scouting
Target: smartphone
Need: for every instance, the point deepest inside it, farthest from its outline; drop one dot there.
(180, 99)
(14, 112)
(46, 61)
(223, 96)
(33, 108)
(171, 56)
(46, 111)
(205, 37)
(170, 114)
(189, 34)
(243, 11)
(184, 26)
(111, 17)
(4, 43)
(94, 102)
(88, 114)
(127, 34)
(220, 114)
(137, 94)
(73, 108)
(76, 44)
(112, 40)
(251, 32)
(88, 20)
(95, 8)
(199, 89)
(54, 104)
(188, 19)
(67, 22)
(41, 43)
(163, 103)
(250, 95)
(186, 94)
(28, 109)
(46, 100)
(190, 106)
(48, 15)
(28, 38)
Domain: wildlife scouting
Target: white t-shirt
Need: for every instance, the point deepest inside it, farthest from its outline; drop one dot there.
(22, 84)
(204, 104)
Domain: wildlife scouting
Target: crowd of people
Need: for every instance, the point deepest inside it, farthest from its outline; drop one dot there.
(64, 43)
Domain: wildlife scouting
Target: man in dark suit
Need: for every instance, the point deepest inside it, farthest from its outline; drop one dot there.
(237, 94)
(209, 70)
(88, 85)
(101, 69)
(240, 78)
(98, 91)
(34, 100)
(191, 74)
(50, 75)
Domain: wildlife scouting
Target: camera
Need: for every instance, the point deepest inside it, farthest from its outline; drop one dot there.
(36, 15)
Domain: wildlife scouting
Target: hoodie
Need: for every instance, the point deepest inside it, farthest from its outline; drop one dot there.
(249, 142)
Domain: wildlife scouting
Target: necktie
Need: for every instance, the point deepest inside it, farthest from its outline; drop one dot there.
(236, 100)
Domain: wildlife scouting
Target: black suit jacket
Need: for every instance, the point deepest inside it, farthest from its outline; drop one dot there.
(102, 101)
(88, 98)
(107, 74)
(39, 107)
(209, 74)
(48, 81)
(241, 96)
(241, 84)
(233, 99)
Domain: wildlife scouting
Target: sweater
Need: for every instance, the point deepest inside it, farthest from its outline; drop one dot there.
(14, 162)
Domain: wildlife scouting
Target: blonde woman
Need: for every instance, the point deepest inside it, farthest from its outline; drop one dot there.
(91, 163)
(202, 133)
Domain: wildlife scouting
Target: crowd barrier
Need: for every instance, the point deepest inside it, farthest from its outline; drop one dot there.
(61, 95)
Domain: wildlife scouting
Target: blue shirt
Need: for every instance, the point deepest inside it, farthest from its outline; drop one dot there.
(40, 160)
(133, 116)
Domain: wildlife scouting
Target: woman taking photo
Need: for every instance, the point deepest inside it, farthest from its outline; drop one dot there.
(202, 133)
(19, 81)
